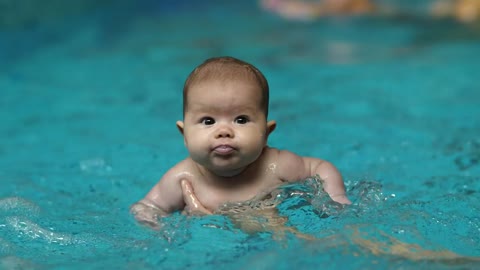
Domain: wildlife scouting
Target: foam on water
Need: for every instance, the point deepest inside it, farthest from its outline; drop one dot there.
(18, 205)
(25, 227)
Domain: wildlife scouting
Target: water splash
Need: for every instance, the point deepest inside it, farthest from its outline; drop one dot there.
(18, 224)
(25, 227)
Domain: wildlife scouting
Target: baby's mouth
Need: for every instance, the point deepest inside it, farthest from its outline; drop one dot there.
(223, 149)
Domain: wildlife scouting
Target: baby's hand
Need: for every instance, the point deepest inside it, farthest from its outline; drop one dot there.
(147, 215)
(192, 204)
(341, 199)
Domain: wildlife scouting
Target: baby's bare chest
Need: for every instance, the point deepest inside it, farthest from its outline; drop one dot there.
(213, 197)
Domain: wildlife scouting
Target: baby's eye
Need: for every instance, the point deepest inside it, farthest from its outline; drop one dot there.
(207, 121)
(241, 119)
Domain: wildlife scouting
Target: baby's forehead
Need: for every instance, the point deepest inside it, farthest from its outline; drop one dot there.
(224, 71)
(225, 94)
(242, 85)
(227, 81)
(227, 70)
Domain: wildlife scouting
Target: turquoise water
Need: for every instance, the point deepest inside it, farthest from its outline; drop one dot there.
(88, 108)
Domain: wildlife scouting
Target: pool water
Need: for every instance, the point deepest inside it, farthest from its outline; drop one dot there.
(88, 108)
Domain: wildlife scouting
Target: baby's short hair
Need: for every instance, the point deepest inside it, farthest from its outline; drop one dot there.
(227, 68)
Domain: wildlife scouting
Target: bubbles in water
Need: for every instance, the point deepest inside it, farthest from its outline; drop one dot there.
(18, 205)
(95, 165)
(28, 228)
(14, 224)
(175, 229)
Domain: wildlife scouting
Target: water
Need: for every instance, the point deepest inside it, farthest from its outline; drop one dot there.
(88, 106)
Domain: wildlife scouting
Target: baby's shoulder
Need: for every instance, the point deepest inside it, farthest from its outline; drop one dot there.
(279, 155)
(283, 160)
(287, 165)
(184, 169)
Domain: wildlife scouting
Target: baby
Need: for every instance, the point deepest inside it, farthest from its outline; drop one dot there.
(225, 129)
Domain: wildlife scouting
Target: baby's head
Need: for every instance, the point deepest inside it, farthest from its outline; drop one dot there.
(227, 69)
(225, 107)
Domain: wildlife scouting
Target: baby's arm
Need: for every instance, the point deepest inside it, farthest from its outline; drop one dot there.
(332, 179)
(294, 167)
(164, 198)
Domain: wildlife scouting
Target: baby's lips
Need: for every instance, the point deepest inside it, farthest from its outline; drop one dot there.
(223, 149)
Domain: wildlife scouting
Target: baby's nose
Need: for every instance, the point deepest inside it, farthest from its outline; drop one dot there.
(224, 131)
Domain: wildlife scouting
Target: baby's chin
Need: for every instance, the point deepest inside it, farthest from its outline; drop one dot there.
(227, 166)
(226, 171)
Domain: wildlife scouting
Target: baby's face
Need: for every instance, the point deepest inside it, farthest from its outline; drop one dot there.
(224, 127)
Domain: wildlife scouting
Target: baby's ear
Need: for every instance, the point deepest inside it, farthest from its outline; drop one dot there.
(271, 125)
(180, 126)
